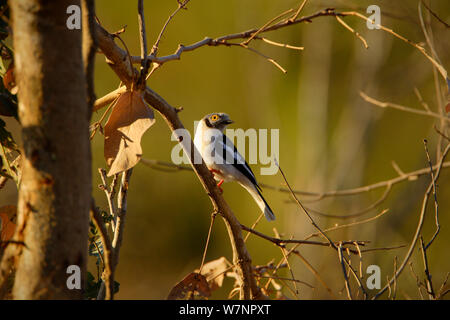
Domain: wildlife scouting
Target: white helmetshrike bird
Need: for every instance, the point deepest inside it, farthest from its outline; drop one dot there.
(224, 161)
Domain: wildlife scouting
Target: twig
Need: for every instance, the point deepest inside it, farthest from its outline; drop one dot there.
(429, 38)
(422, 102)
(98, 123)
(395, 279)
(361, 275)
(109, 98)
(382, 104)
(419, 225)
(241, 257)
(322, 233)
(254, 225)
(283, 251)
(246, 42)
(110, 195)
(435, 15)
(349, 224)
(411, 176)
(383, 248)
(225, 40)
(355, 213)
(418, 282)
(108, 273)
(441, 69)
(341, 260)
(281, 242)
(89, 47)
(287, 279)
(283, 45)
(430, 289)
(213, 217)
(436, 205)
(181, 5)
(357, 34)
(442, 291)
(300, 8)
(120, 223)
(276, 64)
(314, 272)
(143, 42)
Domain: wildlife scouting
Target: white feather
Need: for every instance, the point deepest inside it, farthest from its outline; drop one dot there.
(225, 163)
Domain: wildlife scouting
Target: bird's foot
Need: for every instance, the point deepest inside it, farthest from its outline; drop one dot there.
(214, 171)
(219, 186)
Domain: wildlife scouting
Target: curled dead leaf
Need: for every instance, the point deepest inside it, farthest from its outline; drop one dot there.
(215, 272)
(9, 80)
(192, 283)
(7, 226)
(129, 119)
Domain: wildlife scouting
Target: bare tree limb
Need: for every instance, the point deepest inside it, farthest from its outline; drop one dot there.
(381, 104)
(419, 225)
(241, 257)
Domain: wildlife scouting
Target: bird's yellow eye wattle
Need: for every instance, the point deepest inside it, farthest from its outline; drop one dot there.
(214, 117)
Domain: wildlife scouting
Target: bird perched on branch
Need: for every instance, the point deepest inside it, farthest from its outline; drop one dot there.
(224, 161)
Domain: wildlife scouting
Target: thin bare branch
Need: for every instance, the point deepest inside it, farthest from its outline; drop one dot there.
(419, 225)
(281, 242)
(143, 42)
(422, 50)
(429, 283)
(281, 15)
(402, 108)
(435, 15)
(155, 47)
(213, 218)
(108, 273)
(436, 204)
(347, 284)
(357, 34)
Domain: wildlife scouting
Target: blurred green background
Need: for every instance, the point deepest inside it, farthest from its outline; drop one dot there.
(330, 138)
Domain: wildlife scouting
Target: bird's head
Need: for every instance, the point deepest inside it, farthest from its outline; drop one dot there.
(217, 121)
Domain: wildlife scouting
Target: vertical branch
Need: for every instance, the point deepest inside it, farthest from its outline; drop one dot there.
(89, 47)
(121, 214)
(419, 225)
(143, 42)
(429, 283)
(213, 217)
(110, 195)
(107, 255)
(436, 205)
(347, 284)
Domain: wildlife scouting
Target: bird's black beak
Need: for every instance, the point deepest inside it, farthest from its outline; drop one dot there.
(228, 121)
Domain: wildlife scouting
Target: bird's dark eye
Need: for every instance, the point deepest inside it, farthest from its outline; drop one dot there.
(214, 117)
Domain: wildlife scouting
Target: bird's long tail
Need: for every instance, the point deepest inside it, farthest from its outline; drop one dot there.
(256, 194)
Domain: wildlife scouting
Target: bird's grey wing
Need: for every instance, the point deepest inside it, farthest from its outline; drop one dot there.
(233, 157)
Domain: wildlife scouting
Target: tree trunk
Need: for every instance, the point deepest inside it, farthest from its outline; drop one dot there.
(55, 191)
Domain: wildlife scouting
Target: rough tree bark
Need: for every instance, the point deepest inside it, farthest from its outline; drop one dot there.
(55, 192)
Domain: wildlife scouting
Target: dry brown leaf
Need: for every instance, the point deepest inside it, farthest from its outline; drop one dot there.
(9, 80)
(193, 282)
(215, 272)
(7, 227)
(129, 119)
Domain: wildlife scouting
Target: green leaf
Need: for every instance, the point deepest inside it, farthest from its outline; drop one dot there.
(93, 249)
(6, 138)
(92, 287)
